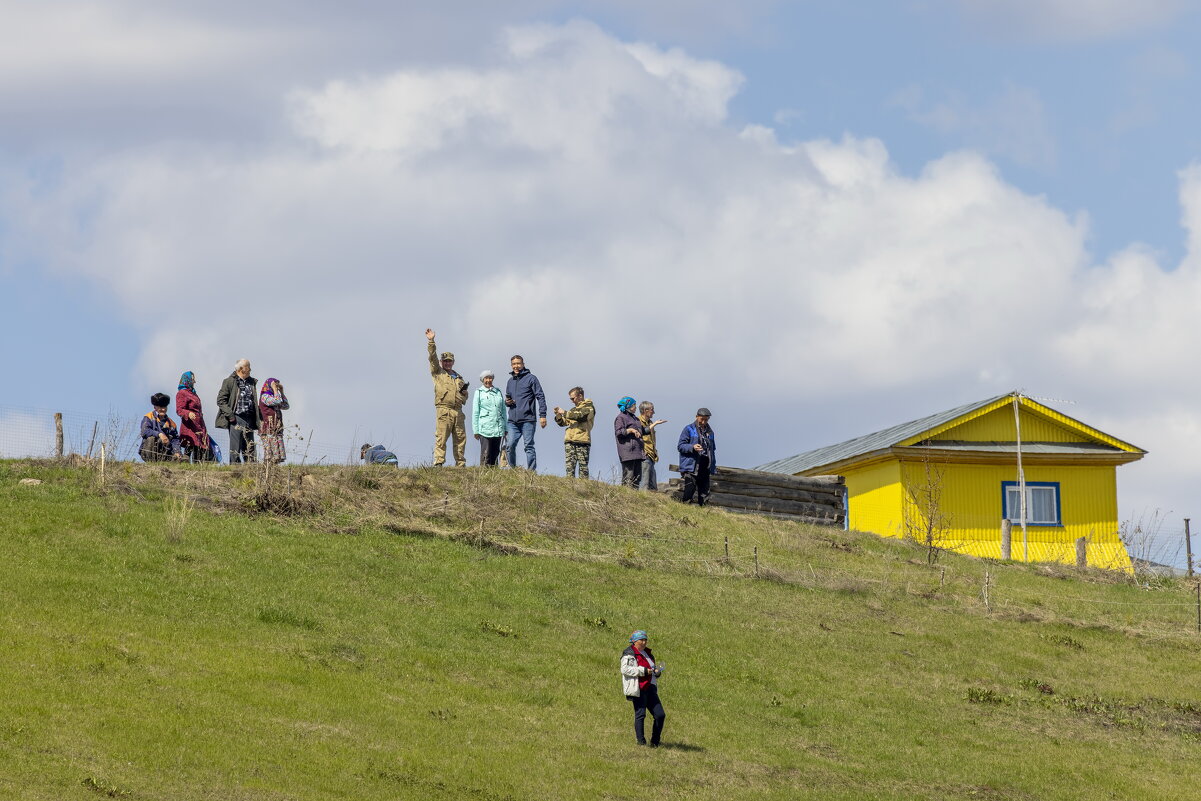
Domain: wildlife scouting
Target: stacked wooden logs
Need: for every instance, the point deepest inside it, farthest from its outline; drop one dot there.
(809, 499)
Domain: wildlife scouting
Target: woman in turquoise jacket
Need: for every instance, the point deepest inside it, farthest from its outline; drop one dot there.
(488, 418)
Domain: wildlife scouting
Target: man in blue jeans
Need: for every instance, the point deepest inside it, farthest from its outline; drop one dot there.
(525, 399)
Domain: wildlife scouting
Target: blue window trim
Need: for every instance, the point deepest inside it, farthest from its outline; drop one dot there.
(1005, 485)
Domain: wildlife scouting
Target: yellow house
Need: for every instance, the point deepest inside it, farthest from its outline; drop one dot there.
(951, 478)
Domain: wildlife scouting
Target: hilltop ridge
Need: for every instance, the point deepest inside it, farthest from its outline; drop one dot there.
(187, 633)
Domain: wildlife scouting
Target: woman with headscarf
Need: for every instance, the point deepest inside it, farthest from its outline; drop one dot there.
(272, 402)
(193, 434)
(628, 430)
(640, 683)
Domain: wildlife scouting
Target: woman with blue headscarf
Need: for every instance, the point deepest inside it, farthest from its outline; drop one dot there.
(640, 682)
(193, 434)
(628, 430)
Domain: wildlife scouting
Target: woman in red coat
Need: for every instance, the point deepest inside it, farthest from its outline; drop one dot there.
(193, 434)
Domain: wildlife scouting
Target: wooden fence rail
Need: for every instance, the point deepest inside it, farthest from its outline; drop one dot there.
(808, 499)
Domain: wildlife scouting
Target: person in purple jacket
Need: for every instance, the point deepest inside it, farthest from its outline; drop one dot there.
(160, 435)
(628, 431)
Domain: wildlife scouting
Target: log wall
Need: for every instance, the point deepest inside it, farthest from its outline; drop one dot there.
(813, 499)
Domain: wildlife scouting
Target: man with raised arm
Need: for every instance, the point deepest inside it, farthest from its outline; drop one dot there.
(450, 393)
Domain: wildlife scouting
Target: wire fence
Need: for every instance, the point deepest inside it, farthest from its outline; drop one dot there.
(32, 432)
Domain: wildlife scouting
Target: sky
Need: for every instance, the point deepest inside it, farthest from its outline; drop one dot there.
(816, 219)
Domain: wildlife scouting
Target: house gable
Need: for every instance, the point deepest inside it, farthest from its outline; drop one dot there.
(995, 424)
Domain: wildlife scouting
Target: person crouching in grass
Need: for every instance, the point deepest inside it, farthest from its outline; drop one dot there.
(160, 436)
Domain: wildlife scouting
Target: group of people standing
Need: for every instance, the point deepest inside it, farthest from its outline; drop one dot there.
(521, 409)
(242, 408)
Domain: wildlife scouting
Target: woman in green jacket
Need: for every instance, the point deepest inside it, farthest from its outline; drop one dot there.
(488, 418)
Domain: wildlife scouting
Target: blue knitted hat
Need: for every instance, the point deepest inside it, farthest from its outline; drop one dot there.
(638, 635)
(627, 403)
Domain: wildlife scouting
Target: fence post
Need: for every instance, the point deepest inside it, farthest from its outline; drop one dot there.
(1188, 545)
(1082, 552)
(987, 601)
(1006, 539)
(92, 444)
(58, 435)
(727, 549)
(756, 561)
(1199, 607)
(102, 452)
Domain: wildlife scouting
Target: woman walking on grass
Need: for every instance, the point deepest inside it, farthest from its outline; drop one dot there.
(640, 683)
(272, 402)
(193, 434)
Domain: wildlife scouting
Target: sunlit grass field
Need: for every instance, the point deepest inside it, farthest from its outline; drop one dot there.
(320, 633)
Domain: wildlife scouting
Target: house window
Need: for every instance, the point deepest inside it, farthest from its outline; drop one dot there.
(1042, 502)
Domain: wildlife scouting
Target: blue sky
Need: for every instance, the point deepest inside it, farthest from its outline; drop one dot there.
(855, 214)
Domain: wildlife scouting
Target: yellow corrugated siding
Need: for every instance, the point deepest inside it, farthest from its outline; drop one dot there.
(971, 505)
(997, 426)
(874, 498)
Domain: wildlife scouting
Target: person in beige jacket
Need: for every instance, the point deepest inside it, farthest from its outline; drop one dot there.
(450, 393)
(577, 441)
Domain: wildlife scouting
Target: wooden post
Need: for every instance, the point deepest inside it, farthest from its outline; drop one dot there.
(1199, 607)
(92, 444)
(1188, 545)
(987, 601)
(727, 549)
(1082, 552)
(58, 435)
(1006, 539)
(756, 561)
(102, 464)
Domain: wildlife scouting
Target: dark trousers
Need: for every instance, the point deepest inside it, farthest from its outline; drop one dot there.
(241, 440)
(648, 702)
(195, 454)
(489, 451)
(154, 450)
(697, 482)
(631, 473)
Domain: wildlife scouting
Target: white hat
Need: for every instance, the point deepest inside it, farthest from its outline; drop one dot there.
(487, 374)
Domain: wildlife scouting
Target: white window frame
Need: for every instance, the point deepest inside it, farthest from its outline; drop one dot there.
(1013, 510)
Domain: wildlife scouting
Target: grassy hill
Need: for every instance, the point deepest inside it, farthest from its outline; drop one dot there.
(183, 633)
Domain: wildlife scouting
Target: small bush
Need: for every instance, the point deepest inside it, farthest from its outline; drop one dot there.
(494, 628)
(1064, 640)
(982, 695)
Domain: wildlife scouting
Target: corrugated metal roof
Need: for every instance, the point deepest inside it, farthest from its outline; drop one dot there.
(871, 442)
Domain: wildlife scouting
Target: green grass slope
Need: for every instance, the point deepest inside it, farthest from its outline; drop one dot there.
(183, 633)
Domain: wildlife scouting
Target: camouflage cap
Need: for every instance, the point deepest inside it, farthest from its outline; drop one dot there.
(447, 356)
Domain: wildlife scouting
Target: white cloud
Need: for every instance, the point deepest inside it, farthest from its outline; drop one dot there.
(584, 201)
(1012, 125)
(1072, 20)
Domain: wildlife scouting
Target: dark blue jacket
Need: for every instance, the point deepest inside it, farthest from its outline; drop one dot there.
(152, 427)
(525, 389)
(691, 436)
(379, 455)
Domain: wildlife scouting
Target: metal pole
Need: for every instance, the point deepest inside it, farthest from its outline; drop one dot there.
(1188, 545)
(1017, 424)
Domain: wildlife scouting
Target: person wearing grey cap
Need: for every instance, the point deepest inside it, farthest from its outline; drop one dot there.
(698, 457)
(488, 418)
